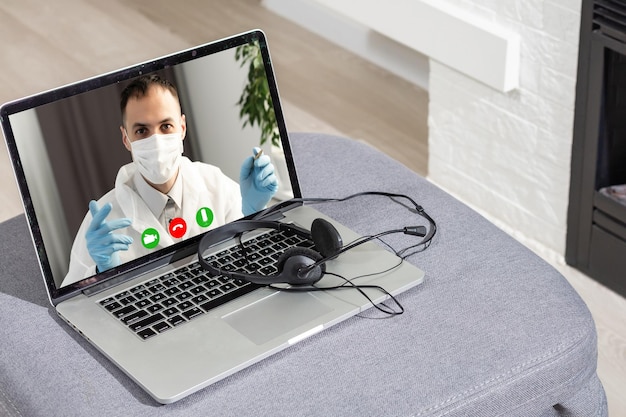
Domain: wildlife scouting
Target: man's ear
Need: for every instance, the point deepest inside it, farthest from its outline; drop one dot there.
(183, 125)
(125, 139)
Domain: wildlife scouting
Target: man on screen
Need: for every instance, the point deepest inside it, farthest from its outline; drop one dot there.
(161, 197)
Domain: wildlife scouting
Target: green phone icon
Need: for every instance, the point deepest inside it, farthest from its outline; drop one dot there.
(204, 217)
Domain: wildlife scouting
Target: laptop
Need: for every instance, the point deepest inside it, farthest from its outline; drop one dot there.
(66, 148)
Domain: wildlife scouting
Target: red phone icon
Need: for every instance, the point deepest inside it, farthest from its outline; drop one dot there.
(177, 228)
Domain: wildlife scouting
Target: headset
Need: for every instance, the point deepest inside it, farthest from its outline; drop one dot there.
(299, 266)
(291, 263)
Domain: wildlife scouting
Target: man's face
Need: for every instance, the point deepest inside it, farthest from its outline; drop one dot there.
(158, 112)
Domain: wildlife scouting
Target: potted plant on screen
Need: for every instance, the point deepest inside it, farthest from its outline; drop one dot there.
(257, 109)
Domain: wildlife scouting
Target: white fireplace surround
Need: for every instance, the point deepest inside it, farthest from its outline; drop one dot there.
(477, 47)
(499, 142)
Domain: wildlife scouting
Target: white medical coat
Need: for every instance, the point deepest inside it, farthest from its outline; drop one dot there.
(203, 186)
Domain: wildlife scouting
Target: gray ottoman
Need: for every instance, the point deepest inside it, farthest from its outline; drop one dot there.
(493, 330)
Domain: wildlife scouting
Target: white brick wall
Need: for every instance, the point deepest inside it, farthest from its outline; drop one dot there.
(508, 155)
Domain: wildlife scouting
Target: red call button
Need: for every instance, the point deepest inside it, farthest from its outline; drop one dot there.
(177, 228)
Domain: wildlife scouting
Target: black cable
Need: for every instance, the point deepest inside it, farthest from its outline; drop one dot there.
(418, 209)
(351, 285)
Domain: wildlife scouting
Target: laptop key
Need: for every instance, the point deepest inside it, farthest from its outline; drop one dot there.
(154, 308)
(195, 265)
(124, 311)
(107, 301)
(167, 276)
(147, 333)
(161, 327)
(157, 288)
(185, 276)
(252, 268)
(214, 292)
(176, 320)
(197, 290)
(137, 288)
(170, 282)
(134, 316)
(171, 291)
(192, 312)
(152, 282)
(185, 305)
(112, 306)
(158, 297)
(212, 283)
(143, 293)
(127, 300)
(264, 243)
(254, 256)
(170, 311)
(265, 261)
(200, 299)
(146, 322)
(143, 303)
(268, 270)
(201, 279)
(239, 263)
(169, 302)
(185, 285)
(275, 237)
(279, 246)
(183, 296)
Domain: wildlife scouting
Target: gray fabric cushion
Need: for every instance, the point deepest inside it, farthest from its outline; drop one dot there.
(493, 330)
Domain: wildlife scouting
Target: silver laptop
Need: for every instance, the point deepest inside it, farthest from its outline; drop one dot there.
(148, 305)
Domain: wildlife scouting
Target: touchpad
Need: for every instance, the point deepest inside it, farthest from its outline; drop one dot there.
(276, 315)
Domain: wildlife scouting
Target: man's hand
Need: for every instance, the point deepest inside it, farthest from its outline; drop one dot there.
(257, 182)
(102, 244)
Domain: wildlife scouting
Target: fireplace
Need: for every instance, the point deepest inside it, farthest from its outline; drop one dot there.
(596, 234)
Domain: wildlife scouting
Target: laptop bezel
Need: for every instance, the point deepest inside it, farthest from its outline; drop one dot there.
(165, 255)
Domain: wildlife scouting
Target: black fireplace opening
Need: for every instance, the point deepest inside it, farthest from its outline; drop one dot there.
(596, 234)
(611, 166)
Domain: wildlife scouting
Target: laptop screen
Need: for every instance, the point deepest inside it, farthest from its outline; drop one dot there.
(108, 142)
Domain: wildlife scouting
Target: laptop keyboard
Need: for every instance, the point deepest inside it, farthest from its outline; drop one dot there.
(170, 300)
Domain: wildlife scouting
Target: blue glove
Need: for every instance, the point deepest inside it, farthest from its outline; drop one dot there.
(103, 246)
(257, 182)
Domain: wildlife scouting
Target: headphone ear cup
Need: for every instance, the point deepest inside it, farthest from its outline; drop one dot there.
(292, 262)
(326, 238)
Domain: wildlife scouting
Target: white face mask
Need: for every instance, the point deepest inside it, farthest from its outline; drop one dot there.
(158, 157)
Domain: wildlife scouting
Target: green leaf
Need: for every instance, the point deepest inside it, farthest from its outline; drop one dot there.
(255, 102)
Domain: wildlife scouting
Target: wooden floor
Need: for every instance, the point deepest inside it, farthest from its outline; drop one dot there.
(45, 44)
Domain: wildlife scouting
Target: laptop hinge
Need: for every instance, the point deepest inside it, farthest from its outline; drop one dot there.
(126, 276)
(277, 211)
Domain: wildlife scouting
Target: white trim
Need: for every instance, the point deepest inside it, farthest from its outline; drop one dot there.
(355, 37)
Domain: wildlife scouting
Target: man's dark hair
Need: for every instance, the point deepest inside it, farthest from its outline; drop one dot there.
(139, 88)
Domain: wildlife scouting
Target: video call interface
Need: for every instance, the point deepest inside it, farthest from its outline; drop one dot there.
(72, 151)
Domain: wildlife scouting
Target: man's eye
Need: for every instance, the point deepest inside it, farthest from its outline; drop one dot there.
(140, 132)
(166, 127)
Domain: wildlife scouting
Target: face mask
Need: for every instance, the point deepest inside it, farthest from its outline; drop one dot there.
(158, 157)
